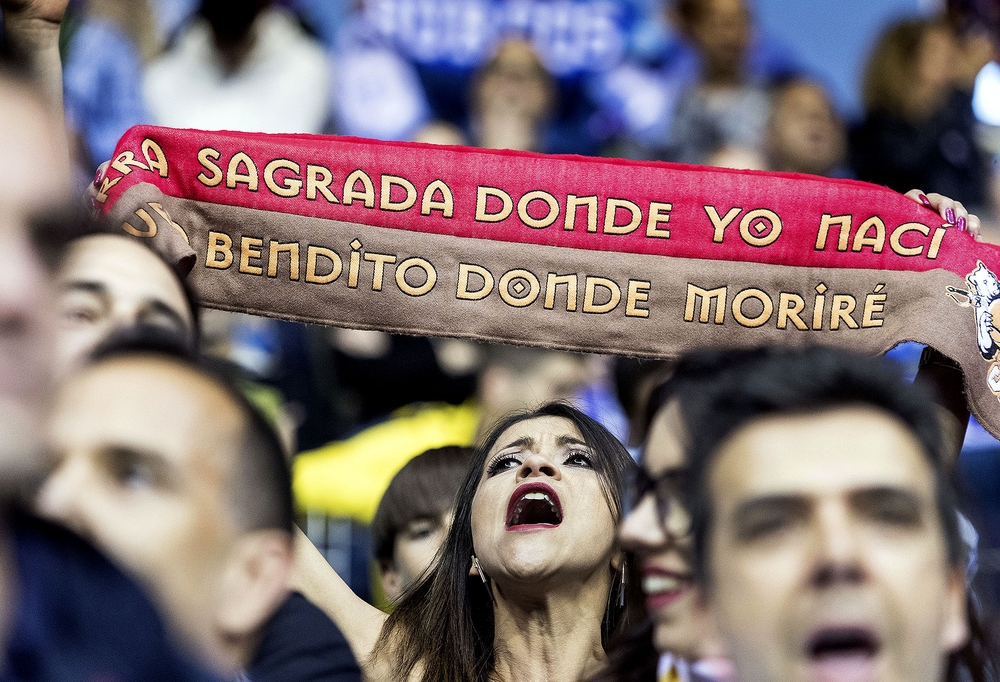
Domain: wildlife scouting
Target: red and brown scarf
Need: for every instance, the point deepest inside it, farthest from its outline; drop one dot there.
(645, 259)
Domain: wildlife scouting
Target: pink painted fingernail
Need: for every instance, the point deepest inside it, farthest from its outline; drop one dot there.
(961, 224)
(949, 215)
(924, 200)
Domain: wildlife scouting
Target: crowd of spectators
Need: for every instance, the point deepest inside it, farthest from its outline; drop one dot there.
(382, 425)
(549, 77)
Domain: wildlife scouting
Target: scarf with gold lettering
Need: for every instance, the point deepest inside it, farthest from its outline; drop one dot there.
(635, 258)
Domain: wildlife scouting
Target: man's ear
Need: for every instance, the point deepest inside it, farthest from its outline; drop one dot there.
(955, 623)
(392, 582)
(256, 581)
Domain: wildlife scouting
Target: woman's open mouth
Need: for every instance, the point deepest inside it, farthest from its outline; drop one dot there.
(842, 654)
(534, 505)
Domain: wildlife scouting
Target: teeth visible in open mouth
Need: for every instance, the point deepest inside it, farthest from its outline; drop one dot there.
(536, 507)
(655, 584)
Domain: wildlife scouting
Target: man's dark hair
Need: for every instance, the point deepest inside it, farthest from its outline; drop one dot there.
(739, 387)
(261, 486)
(231, 20)
(425, 488)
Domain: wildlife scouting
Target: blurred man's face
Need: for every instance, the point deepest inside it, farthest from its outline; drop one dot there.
(827, 555)
(804, 133)
(413, 552)
(107, 283)
(34, 176)
(543, 377)
(144, 449)
(515, 82)
(722, 33)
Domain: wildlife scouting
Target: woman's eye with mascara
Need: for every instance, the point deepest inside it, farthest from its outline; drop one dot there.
(580, 458)
(502, 464)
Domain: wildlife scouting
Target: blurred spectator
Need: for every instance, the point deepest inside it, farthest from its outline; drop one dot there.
(512, 98)
(248, 65)
(804, 133)
(173, 473)
(639, 100)
(446, 42)
(414, 515)
(378, 93)
(635, 381)
(241, 65)
(107, 283)
(377, 373)
(440, 132)
(66, 613)
(725, 108)
(103, 73)
(919, 129)
(736, 157)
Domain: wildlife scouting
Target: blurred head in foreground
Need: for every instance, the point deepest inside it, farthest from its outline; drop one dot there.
(108, 283)
(169, 470)
(34, 181)
(825, 535)
(414, 515)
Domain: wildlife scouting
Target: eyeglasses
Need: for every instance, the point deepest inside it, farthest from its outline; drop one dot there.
(668, 490)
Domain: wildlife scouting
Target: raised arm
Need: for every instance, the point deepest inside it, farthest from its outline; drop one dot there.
(31, 28)
(935, 369)
(360, 622)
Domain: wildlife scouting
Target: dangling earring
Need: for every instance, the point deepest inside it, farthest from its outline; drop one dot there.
(482, 576)
(621, 586)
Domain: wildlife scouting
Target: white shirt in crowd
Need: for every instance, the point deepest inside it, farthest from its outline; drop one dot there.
(281, 87)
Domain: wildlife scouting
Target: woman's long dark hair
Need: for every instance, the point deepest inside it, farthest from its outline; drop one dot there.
(444, 627)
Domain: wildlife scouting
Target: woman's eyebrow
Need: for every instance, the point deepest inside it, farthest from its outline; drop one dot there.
(572, 440)
(522, 442)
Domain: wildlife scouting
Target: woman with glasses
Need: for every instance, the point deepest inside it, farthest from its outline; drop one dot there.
(670, 646)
